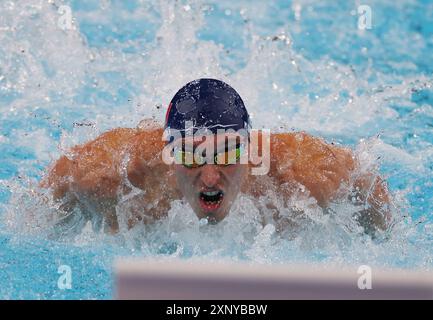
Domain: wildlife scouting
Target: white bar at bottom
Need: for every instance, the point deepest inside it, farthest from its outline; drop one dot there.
(173, 279)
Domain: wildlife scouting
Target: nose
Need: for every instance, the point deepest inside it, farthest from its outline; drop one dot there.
(210, 175)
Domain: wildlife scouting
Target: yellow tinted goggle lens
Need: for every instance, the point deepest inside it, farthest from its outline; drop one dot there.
(187, 159)
(229, 157)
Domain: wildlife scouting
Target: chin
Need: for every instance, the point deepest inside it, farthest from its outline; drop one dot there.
(213, 218)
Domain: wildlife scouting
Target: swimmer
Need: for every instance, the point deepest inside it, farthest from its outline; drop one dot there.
(99, 175)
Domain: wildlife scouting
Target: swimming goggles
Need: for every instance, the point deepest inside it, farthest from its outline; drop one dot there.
(193, 160)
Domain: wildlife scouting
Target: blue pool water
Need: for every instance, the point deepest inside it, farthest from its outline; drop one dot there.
(302, 65)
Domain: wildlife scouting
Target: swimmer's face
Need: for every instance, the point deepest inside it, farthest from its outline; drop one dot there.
(212, 188)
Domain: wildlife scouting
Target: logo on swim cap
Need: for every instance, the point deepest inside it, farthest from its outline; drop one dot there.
(207, 104)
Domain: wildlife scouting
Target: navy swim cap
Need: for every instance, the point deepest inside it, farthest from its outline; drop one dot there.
(208, 104)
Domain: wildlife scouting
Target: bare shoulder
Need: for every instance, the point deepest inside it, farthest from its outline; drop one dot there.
(97, 170)
(94, 167)
(319, 166)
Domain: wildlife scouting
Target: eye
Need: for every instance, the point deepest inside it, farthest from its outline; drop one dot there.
(179, 156)
(229, 157)
(187, 159)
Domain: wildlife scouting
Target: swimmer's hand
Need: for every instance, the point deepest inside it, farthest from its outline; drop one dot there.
(323, 169)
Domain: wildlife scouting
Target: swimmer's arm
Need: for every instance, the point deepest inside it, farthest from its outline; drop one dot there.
(88, 177)
(371, 192)
(90, 169)
(322, 168)
(94, 173)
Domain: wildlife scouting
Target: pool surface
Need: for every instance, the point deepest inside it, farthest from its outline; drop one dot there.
(299, 65)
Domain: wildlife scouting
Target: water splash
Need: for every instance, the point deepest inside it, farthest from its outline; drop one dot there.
(122, 62)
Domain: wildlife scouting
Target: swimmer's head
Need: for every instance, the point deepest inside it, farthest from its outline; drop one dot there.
(208, 125)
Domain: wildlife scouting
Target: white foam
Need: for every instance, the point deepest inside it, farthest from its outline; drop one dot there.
(56, 66)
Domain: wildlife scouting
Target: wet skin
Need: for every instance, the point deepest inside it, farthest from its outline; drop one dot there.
(225, 180)
(92, 174)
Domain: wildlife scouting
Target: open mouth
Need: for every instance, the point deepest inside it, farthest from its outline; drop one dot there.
(211, 200)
